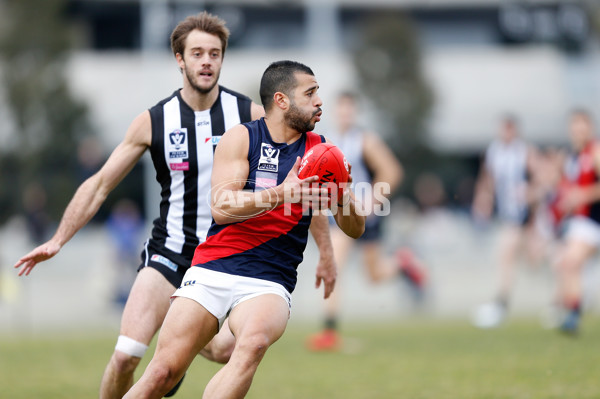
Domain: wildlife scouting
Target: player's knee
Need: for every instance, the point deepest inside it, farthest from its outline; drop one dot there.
(222, 353)
(162, 377)
(568, 266)
(254, 346)
(123, 363)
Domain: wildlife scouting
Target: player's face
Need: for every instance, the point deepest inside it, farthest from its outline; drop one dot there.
(580, 130)
(305, 104)
(202, 61)
(508, 131)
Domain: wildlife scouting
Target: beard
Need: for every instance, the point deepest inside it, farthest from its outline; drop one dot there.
(201, 90)
(298, 120)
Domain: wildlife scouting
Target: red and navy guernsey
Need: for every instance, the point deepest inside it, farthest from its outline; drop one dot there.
(268, 246)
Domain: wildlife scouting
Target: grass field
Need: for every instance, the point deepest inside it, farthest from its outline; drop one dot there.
(411, 359)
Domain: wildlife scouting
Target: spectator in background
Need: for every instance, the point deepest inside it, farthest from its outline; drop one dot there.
(126, 227)
(373, 166)
(34, 209)
(503, 187)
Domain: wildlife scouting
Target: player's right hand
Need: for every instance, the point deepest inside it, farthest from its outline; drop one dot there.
(40, 254)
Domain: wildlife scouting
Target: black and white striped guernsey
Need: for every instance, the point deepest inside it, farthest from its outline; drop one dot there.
(183, 142)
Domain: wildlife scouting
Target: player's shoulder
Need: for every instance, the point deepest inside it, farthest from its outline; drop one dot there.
(226, 91)
(165, 100)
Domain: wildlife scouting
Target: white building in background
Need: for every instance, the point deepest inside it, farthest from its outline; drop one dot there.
(482, 58)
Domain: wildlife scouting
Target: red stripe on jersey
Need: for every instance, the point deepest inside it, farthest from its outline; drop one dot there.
(250, 233)
(587, 174)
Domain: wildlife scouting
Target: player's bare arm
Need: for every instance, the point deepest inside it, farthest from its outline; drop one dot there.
(483, 199)
(326, 268)
(92, 193)
(347, 218)
(382, 162)
(230, 172)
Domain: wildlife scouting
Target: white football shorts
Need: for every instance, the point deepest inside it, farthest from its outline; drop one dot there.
(220, 292)
(584, 229)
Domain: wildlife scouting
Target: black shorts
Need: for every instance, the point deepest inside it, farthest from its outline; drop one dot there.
(372, 228)
(171, 266)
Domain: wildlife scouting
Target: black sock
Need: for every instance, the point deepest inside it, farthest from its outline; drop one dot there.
(331, 323)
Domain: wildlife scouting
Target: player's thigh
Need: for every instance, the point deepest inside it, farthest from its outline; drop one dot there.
(576, 253)
(265, 315)
(187, 328)
(146, 306)
(511, 236)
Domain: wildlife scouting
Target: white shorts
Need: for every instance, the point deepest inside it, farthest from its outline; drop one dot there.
(220, 292)
(584, 229)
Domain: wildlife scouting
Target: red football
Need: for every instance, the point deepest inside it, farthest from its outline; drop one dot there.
(328, 162)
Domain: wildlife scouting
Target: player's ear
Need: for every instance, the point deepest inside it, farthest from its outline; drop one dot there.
(180, 60)
(281, 100)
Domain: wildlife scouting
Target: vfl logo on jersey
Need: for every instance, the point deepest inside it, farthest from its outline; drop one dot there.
(178, 144)
(214, 139)
(269, 158)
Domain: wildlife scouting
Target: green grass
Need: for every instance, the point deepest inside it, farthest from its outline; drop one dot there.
(411, 359)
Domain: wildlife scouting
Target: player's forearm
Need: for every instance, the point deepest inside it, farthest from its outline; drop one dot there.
(348, 219)
(83, 206)
(592, 194)
(319, 229)
(235, 205)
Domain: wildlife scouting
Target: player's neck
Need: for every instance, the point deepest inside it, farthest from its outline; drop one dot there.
(199, 101)
(279, 131)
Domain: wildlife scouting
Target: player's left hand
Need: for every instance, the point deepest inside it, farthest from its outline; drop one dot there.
(326, 273)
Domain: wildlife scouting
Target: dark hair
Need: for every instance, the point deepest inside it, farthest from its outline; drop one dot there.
(347, 95)
(203, 22)
(581, 112)
(509, 119)
(279, 77)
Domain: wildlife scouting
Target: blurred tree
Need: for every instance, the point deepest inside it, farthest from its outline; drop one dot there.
(388, 61)
(48, 122)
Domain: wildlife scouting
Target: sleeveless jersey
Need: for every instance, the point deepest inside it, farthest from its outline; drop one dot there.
(268, 246)
(581, 172)
(183, 141)
(507, 163)
(351, 143)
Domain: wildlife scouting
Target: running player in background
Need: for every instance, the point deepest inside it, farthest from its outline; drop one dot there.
(503, 186)
(374, 166)
(181, 133)
(579, 201)
(246, 268)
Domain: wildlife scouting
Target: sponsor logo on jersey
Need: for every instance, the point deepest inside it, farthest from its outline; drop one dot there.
(180, 166)
(177, 146)
(214, 140)
(164, 261)
(202, 123)
(188, 283)
(269, 158)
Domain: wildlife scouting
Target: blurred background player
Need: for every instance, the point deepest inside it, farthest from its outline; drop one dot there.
(372, 162)
(579, 201)
(504, 188)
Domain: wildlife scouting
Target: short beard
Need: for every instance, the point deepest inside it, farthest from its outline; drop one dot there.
(199, 89)
(297, 120)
